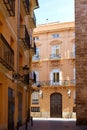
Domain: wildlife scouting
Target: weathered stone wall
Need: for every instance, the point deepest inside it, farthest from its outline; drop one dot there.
(81, 60)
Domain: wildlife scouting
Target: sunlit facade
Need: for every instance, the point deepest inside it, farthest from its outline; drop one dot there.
(17, 20)
(54, 65)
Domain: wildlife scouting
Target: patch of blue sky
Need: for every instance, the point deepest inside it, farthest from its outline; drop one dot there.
(55, 11)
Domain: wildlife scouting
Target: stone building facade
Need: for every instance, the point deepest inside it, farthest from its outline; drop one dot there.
(17, 21)
(53, 95)
(81, 60)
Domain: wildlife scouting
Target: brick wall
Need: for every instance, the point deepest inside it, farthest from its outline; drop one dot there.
(81, 60)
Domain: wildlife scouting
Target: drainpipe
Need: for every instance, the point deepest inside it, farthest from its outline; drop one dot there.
(18, 36)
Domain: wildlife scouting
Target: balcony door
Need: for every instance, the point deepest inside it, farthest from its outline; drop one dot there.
(56, 77)
(56, 105)
(55, 51)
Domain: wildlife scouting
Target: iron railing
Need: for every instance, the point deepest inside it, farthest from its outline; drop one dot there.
(52, 83)
(33, 48)
(34, 19)
(24, 36)
(55, 56)
(10, 6)
(6, 54)
(24, 77)
(26, 4)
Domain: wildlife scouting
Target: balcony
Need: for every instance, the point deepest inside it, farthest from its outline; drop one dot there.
(55, 56)
(25, 6)
(52, 83)
(6, 54)
(24, 37)
(33, 49)
(10, 6)
(33, 19)
(35, 4)
(36, 57)
(23, 76)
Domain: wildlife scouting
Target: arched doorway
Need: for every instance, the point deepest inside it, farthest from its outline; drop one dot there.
(56, 105)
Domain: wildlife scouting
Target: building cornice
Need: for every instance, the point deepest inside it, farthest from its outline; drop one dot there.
(53, 27)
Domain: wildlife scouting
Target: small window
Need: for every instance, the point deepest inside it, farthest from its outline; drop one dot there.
(37, 51)
(36, 38)
(35, 98)
(73, 33)
(55, 35)
(35, 109)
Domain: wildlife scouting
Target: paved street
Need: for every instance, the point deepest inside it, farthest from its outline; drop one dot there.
(55, 124)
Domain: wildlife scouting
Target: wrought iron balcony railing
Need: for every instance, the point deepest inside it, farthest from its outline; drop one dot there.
(34, 19)
(33, 48)
(26, 4)
(10, 6)
(52, 83)
(23, 75)
(6, 54)
(55, 56)
(24, 36)
(36, 57)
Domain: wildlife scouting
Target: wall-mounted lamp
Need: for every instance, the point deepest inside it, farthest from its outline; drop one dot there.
(26, 74)
(41, 93)
(69, 93)
(15, 76)
(25, 70)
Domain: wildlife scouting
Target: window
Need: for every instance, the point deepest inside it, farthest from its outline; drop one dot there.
(73, 33)
(36, 38)
(35, 98)
(55, 52)
(55, 77)
(55, 49)
(74, 50)
(37, 75)
(37, 55)
(35, 109)
(10, 92)
(55, 35)
(37, 52)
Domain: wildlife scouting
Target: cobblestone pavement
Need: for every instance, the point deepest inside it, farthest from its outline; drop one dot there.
(54, 124)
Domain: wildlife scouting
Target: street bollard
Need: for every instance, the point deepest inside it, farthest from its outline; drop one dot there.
(17, 125)
(26, 127)
(31, 121)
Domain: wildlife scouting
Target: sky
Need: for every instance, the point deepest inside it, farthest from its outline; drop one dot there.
(54, 11)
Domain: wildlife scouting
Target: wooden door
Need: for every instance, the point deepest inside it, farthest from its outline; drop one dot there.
(56, 105)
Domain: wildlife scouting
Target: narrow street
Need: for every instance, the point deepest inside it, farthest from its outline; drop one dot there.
(54, 124)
